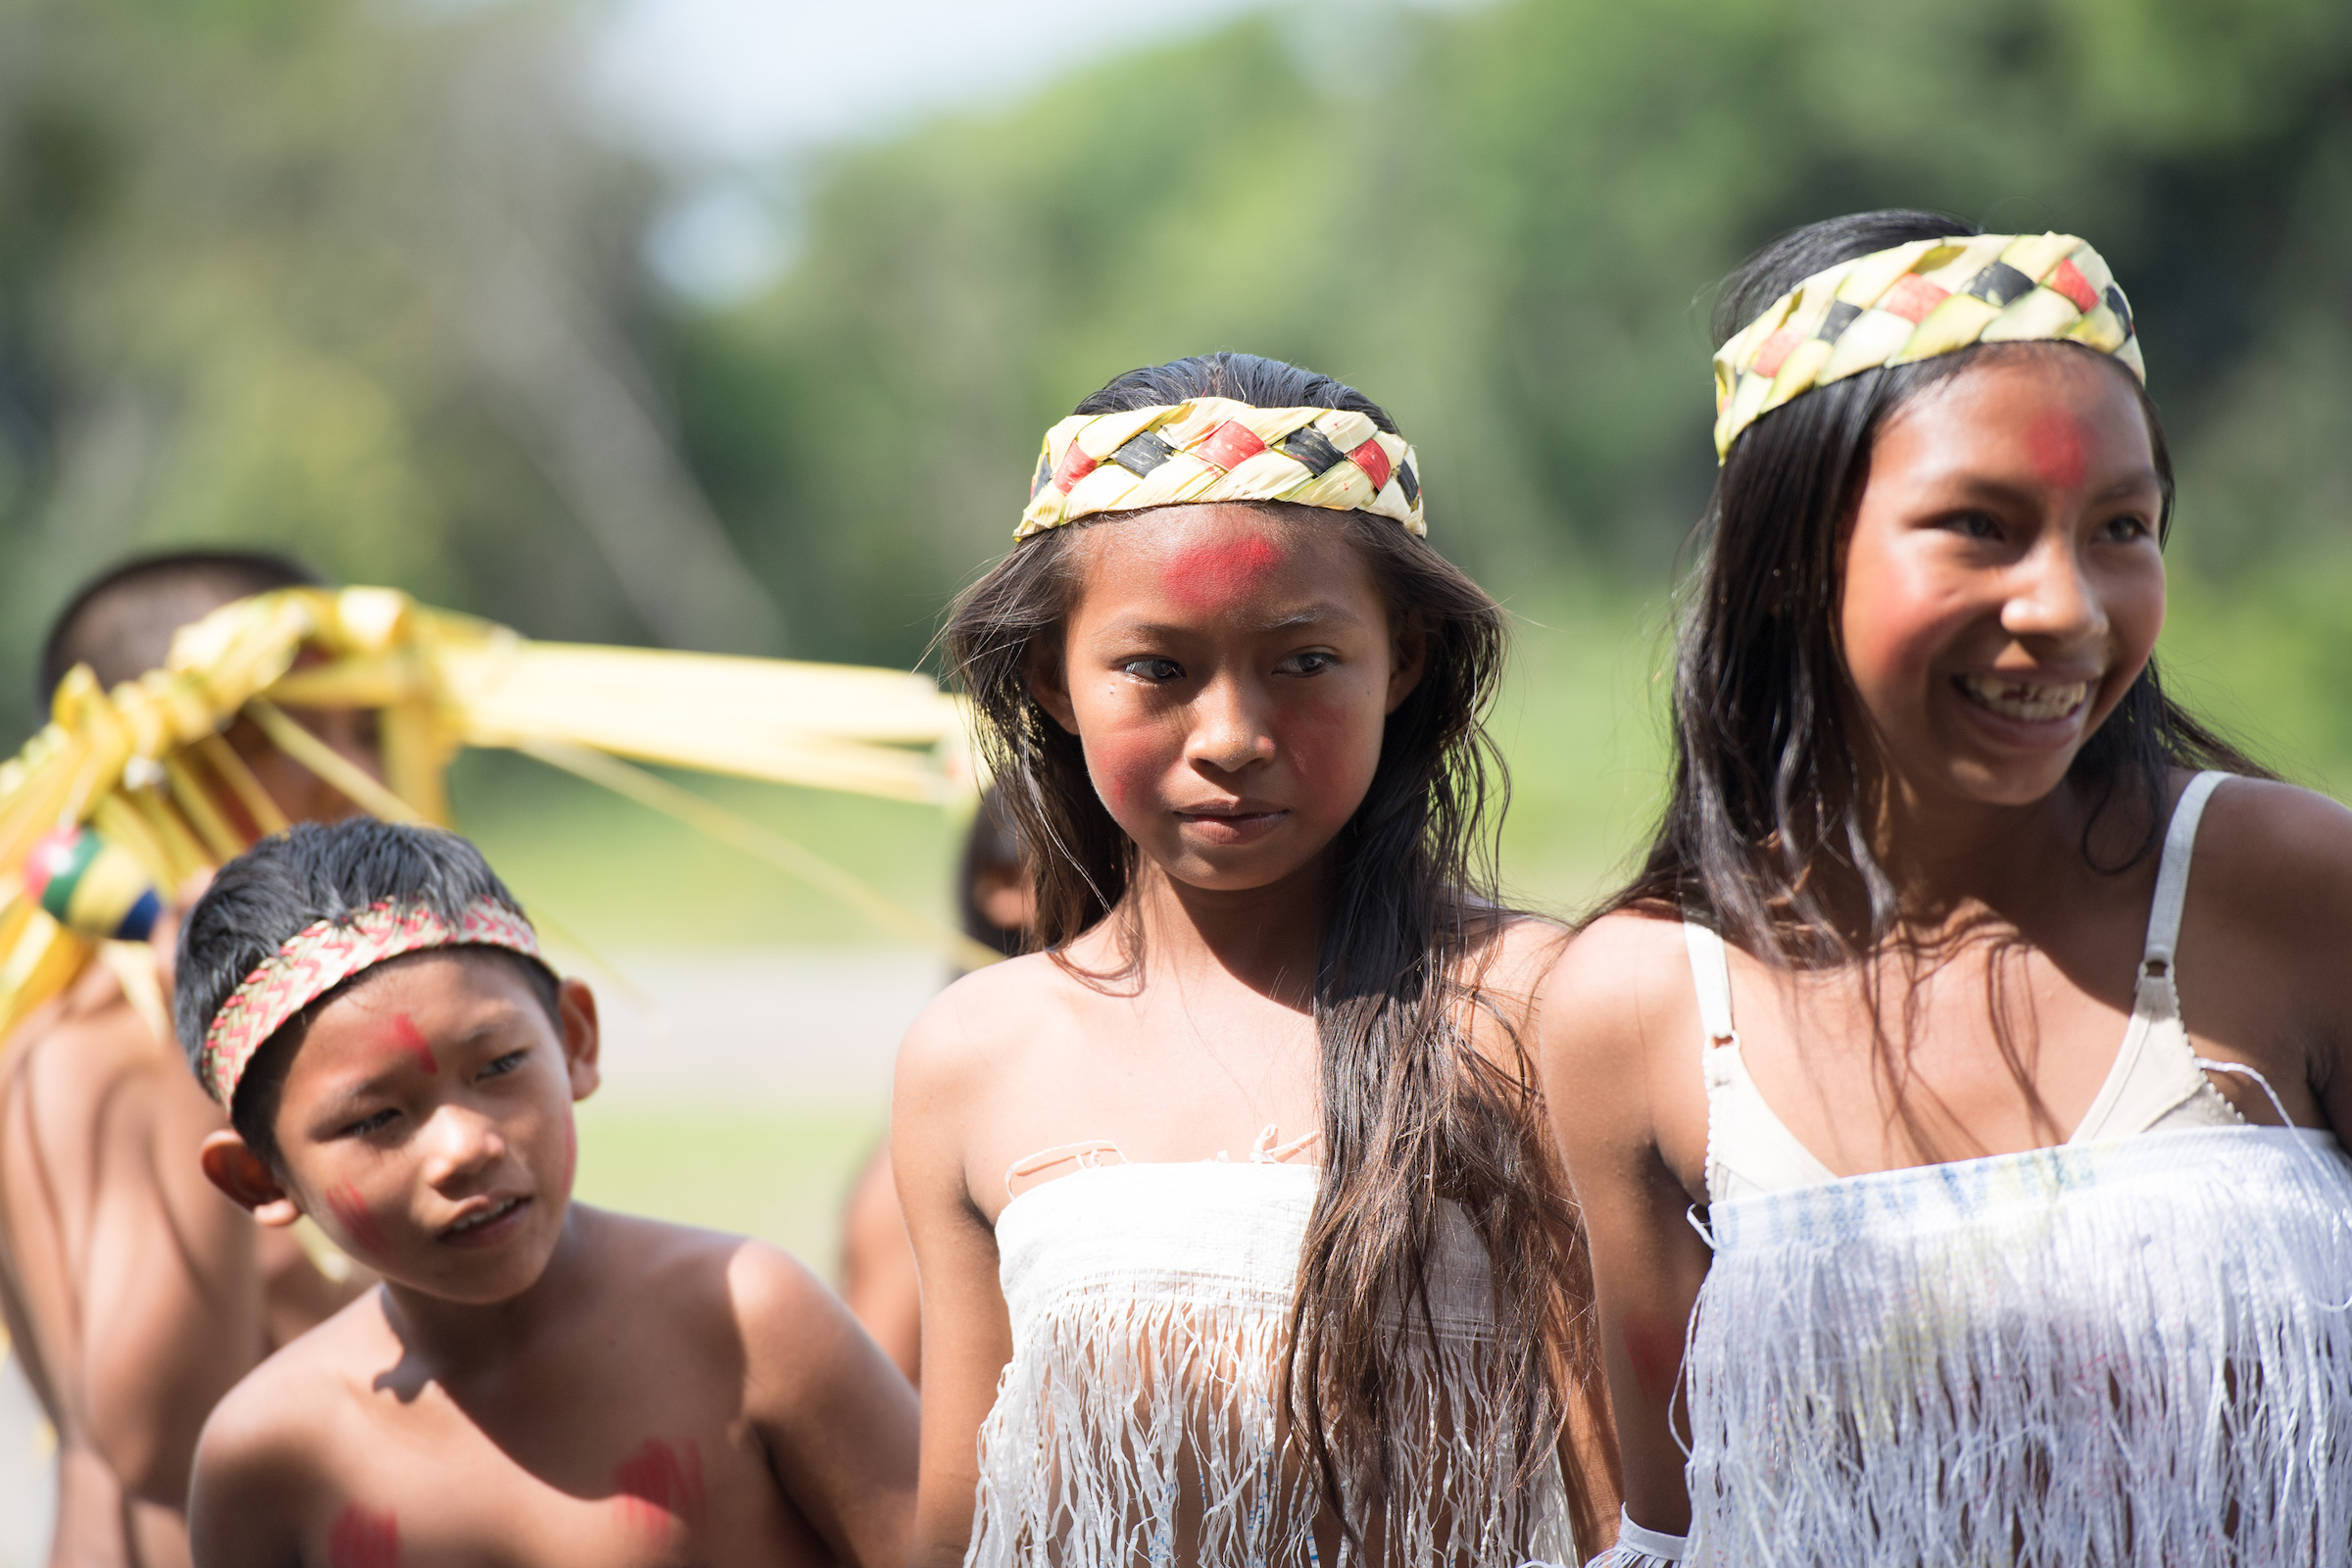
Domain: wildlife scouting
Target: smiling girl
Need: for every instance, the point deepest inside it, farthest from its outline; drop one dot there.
(1895, 1242)
(1239, 1238)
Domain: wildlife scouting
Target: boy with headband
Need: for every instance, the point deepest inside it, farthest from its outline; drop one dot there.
(535, 1381)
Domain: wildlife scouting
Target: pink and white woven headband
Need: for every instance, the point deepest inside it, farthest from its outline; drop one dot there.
(321, 956)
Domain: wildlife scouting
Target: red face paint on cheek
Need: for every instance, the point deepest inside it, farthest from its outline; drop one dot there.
(2059, 448)
(1124, 767)
(402, 1034)
(357, 1219)
(1653, 1344)
(658, 1491)
(364, 1540)
(1215, 577)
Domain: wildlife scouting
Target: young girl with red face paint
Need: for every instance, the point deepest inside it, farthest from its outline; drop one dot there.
(535, 1381)
(1901, 1258)
(1238, 1239)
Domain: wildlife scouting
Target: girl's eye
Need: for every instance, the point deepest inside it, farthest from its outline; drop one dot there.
(1152, 670)
(2129, 530)
(505, 1065)
(370, 1124)
(1306, 665)
(1975, 526)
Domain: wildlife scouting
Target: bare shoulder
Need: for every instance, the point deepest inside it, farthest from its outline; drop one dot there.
(2272, 879)
(689, 1270)
(981, 1024)
(2269, 843)
(280, 1425)
(1628, 970)
(767, 1286)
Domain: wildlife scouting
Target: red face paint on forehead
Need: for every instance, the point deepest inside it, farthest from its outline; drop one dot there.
(2059, 448)
(357, 1219)
(361, 1539)
(1215, 576)
(402, 1034)
(658, 1491)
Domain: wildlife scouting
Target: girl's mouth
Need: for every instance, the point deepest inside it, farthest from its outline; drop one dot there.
(1230, 827)
(2024, 701)
(486, 1224)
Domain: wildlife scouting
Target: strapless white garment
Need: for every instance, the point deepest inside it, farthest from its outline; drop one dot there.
(1138, 1421)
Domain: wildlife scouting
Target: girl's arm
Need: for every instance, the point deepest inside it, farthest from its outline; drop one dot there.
(1613, 1060)
(967, 1336)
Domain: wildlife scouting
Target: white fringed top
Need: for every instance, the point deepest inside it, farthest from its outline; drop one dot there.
(1137, 1421)
(2126, 1350)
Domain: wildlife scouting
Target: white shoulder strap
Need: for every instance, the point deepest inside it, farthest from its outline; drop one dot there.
(2172, 876)
(1711, 974)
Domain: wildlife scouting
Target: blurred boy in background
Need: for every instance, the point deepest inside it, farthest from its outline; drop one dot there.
(996, 900)
(136, 1296)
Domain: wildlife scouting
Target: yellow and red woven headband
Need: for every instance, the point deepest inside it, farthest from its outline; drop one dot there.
(1916, 300)
(321, 956)
(1216, 449)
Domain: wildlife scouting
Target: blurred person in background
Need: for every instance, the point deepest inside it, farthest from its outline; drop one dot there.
(996, 900)
(135, 1294)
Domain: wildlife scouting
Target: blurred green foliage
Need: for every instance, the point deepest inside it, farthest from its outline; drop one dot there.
(1504, 224)
(363, 278)
(351, 278)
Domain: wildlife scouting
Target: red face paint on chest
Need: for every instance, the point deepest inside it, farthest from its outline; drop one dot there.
(1653, 1344)
(358, 1220)
(364, 1540)
(402, 1034)
(2059, 448)
(1215, 577)
(659, 1490)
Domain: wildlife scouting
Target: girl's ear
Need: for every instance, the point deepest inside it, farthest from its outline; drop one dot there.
(246, 1178)
(1409, 659)
(583, 1039)
(1049, 679)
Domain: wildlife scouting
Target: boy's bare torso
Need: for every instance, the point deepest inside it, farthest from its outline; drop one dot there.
(134, 1291)
(621, 1431)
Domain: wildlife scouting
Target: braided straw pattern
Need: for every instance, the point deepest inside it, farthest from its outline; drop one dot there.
(146, 766)
(321, 956)
(1916, 300)
(1216, 449)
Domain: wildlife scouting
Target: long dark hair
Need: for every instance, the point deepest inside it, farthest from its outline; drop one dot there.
(1764, 799)
(1412, 1109)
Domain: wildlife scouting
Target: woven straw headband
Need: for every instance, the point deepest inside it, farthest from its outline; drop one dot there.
(321, 956)
(1916, 300)
(1216, 449)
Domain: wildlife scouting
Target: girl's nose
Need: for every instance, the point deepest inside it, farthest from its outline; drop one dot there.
(2052, 599)
(1229, 732)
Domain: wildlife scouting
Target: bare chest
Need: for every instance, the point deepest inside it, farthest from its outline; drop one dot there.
(580, 1484)
(1158, 1079)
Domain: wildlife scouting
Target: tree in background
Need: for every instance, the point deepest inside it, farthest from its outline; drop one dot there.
(362, 279)
(1506, 218)
(344, 277)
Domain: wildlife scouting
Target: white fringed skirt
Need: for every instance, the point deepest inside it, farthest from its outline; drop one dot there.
(1138, 1422)
(2133, 1352)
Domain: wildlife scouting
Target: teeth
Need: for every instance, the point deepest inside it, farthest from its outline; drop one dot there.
(485, 1217)
(2024, 699)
